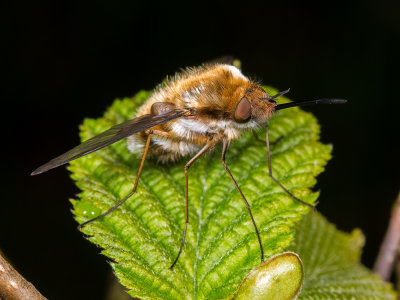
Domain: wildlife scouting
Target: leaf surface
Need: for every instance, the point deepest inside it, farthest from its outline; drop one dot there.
(142, 237)
(331, 263)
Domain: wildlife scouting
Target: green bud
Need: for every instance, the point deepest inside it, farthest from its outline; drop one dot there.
(280, 278)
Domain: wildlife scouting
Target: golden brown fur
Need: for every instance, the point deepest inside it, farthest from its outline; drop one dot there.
(211, 93)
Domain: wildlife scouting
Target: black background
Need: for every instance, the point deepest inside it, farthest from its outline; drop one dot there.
(67, 60)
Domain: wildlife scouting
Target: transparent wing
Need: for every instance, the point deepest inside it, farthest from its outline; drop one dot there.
(110, 136)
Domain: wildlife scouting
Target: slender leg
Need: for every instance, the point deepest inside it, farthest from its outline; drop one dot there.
(187, 166)
(224, 149)
(131, 193)
(274, 179)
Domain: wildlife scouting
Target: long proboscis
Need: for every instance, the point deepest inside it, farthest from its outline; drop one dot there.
(304, 103)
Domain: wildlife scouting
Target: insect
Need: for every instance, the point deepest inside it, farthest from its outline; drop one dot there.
(190, 114)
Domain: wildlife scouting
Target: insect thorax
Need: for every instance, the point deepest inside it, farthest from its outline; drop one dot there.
(212, 92)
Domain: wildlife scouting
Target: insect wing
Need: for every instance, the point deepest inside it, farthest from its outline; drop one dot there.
(110, 136)
(225, 60)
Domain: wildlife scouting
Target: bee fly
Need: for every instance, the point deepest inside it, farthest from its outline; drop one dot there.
(189, 115)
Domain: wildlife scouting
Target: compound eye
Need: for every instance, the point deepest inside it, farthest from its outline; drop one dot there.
(243, 111)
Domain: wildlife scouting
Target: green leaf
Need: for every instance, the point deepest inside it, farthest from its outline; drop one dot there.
(142, 237)
(331, 263)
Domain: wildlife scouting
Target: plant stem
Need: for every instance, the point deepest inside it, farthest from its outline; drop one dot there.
(14, 286)
(388, 251)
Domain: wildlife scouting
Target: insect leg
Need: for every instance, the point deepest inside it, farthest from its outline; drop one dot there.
(225, 146)
(187, 166)
(131, 193)
(273, 178)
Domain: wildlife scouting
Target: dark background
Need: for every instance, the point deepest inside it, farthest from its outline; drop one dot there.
(67, 60)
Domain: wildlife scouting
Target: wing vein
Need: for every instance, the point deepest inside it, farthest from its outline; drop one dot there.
(110, 136)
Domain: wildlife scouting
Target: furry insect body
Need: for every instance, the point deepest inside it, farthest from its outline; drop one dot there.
(212, 94)
(189, 115)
